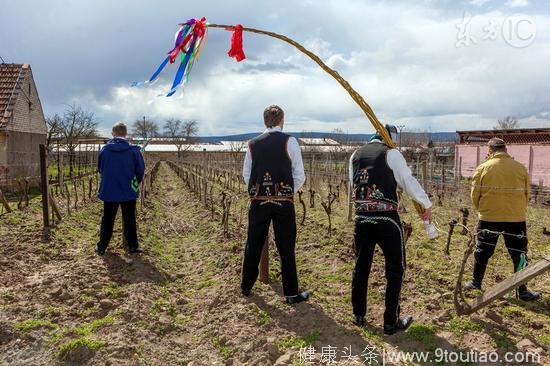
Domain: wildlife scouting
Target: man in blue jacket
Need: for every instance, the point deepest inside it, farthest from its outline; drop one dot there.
(121, 167)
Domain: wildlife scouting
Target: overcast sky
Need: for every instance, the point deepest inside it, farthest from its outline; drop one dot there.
(411, 63)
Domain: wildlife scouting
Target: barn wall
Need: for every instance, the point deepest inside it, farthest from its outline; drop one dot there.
(28, 117)
(534, 157)
(3, 161)
(22, 158)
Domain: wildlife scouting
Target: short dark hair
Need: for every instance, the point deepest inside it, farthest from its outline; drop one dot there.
(496, 144)
(120, 129)
(273, 116)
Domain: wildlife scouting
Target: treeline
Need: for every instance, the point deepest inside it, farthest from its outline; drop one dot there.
(75, 124)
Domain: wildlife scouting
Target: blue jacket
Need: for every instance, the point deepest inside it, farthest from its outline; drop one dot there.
(121, 167)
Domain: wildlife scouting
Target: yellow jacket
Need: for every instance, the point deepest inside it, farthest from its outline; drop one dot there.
(500, 189)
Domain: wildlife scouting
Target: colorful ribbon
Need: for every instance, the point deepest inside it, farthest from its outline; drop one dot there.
(189, 42)
(236, 49)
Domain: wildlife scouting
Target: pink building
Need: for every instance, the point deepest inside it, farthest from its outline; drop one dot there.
(530, 146)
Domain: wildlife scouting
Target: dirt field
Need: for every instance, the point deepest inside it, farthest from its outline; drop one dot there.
(179, 303)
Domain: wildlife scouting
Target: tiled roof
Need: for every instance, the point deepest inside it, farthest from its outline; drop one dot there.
(11, 76)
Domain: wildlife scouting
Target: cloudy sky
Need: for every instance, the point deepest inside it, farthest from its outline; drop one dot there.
(429, 65)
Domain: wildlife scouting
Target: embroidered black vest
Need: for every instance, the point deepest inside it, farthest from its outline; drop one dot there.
(271, 173)
(373, 181)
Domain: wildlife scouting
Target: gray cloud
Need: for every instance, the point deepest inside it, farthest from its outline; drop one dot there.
(401, 57)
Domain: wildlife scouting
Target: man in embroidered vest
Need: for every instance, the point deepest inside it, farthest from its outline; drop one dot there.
(375, 172)
(274, 171)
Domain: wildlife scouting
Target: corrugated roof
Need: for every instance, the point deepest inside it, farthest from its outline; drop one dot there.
(11, 76)
(511, 136)
(317, 141)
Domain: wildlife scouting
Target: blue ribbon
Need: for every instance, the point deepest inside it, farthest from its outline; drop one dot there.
(183, 66)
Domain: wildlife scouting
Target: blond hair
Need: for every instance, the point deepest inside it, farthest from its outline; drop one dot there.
(120, 129)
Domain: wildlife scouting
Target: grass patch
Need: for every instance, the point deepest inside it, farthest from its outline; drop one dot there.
(112, 291)
(545, 339)
(206, 283)
(31, 324)
(512, 311)
(288, 342)
(504, 342)
(263, 316)
(423, 333)
(89, 328)
(463, 325)
(85, 342)
(224, 351)
(7, 296)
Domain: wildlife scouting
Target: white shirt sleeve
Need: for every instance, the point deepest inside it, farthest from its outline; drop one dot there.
(404, 178)
(247, 166)
(295, 154)
(350, 171)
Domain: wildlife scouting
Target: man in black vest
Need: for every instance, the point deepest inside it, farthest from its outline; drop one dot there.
(274, 171)
(375, 172)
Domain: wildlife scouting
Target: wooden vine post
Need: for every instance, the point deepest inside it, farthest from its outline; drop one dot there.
(465, 214)
(300, 193)
(328, 209)
(4, 202)
(44, 187)
(452, 225)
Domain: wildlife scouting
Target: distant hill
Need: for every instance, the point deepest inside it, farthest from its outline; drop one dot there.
(435, 136)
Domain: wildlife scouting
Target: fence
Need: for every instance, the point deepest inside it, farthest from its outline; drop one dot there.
(440, 178)
(534, 157)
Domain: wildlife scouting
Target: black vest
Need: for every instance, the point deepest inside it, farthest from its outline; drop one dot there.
(271, 173)
(373, 180)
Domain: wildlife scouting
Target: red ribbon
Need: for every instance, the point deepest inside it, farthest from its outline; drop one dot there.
(198, 31)
(236, 50)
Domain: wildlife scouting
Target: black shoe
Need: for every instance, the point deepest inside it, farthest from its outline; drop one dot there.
(98, 251)
(359, 320)
(477, 277)
(402, 324)
(135, 251)
(471, 285)
(245, 293)
(297, 298)
(523, 293)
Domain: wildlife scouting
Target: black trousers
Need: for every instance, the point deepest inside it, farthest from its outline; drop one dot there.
(487, 237)
(283, 216)
(108, 221)
(384, 229)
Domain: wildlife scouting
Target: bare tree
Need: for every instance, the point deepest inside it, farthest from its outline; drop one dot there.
(415, 139)
(145, 128)
(53, 123)
(341, 150)
(76, 124)
(507, 123)
(182, 134)
(235, 149)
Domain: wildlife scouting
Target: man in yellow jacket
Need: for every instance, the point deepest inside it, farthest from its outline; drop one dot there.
(500, 193)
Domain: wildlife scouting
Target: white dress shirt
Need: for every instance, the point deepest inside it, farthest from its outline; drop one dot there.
(295, 154)
(402, 173)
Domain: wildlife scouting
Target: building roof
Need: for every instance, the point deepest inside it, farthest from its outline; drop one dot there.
(11, 76)
(512, 136)
(317, 141)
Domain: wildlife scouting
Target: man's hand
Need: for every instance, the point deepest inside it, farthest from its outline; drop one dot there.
(427, 215)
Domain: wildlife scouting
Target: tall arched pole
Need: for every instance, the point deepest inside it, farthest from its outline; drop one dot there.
(354, 95)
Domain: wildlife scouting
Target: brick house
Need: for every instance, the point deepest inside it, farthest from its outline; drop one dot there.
(22, 125)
